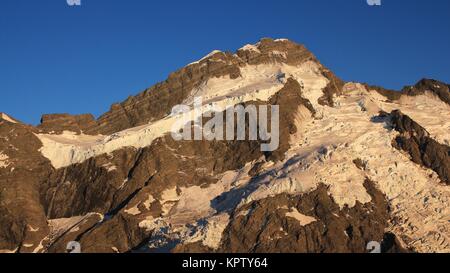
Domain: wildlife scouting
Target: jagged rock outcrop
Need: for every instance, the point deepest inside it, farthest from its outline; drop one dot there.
(289, 99)
(57, 123)
(424, 86)
(272, 51)
(311, 223)
(333, 88)
(437, 88)
(424, 150)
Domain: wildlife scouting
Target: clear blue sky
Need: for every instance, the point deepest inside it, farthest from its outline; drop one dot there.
(60, 59)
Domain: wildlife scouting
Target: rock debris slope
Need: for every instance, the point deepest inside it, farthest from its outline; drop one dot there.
(355, 164)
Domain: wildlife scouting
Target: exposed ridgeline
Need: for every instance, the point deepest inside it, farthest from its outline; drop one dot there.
(58, 123)
(424, 86)
(424, 150)
(157, 101)
(437, 88)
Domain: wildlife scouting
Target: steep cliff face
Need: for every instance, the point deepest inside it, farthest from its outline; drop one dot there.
(424, 150)
(23, 222)
(342, 176)
(58, 123)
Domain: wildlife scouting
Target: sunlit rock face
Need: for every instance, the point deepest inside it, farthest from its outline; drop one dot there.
(355, 164)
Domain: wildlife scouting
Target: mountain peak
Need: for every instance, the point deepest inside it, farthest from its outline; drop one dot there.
(275, 50)
(157, 101)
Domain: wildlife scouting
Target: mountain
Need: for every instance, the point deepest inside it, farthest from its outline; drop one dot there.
(355, 164)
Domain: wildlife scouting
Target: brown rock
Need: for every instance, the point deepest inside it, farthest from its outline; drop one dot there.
(423, 150)
(22, 217)
(267, 229)
(57, 123)
(440, 89)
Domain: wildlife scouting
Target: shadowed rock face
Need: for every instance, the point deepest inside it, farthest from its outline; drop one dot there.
(334, 88)
(269, 226)
(423, 150)
(289, 99)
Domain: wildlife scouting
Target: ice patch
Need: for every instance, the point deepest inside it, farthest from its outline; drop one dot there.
(40, 247)
(4, 163)
(170, 195)
(109, 167)
(149, 202)
(304, 220)
(31, 229)
(211, 234)
(133, 211)
(151, 224)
